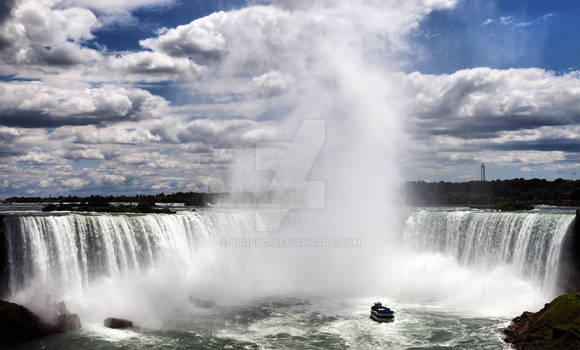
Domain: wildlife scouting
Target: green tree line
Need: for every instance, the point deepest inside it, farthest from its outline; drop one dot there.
(536, 191)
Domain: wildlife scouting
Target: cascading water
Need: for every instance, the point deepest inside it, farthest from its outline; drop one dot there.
(72, 250)
(530, 243)
(447, 266)
(64, 254)
(80, 258)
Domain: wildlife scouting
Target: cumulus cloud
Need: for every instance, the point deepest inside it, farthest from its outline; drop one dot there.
(37, 104)
(234, 134)
(262, 38)
(38, 34)
(41, 158)
(250, 76)
(84, 153)
(272, 83)
(503, 117)
(154, 65)
(8, 138)
(8, 134)
(115, 6)
(90, 134)
(74, 183)
(116, 11)
(40, 38)
(5, 9)
(482, 102)
(199, 39)
(63, 54)
(15, 142)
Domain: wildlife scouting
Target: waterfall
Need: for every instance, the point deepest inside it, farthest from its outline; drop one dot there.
(67, 252)
(137, 265)
(530, 243)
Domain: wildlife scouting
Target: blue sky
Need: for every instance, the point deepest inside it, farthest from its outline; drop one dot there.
(502, 34)
(165, 95)
(532, 34)
(148, 20)
(476, 33)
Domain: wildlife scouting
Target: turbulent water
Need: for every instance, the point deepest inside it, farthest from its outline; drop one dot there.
(291, 323)
(150, 267)
(529, 242)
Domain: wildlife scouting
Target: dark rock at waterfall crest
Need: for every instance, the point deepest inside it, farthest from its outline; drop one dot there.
(118, 323)
(556, 326)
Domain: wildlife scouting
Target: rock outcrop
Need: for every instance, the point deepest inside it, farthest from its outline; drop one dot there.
(65, 321)
(556, 326)
(569, 264)
(202, 303)
(18, 325)
(118, 323)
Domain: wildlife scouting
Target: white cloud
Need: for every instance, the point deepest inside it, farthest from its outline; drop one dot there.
(509, 118)
(227, 133)
(272, 84)
(117, 12)
(8, 134)
(37, 104)
(116, 134)
(39, 158)
(537, 95)
(38, 34)
(262, 38)
(115, 6)
(85, 153)
(487, 21)
(200, 39)
(155, 66)
(547, 16)
(43, 25)
(74, 183)
(506, 20)
(44, 38)
(254, 74)
(510, 21)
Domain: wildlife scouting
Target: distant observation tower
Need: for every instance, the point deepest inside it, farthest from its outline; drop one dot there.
(482, 172)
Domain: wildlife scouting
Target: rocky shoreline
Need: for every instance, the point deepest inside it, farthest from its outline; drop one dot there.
(19, 325)
(556, 326)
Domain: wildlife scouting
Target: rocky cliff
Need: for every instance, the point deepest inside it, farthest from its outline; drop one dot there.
(556, 326)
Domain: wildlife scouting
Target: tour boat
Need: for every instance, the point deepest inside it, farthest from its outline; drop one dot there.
(380, 313)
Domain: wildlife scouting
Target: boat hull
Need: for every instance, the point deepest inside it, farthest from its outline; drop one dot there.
(382, 318)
